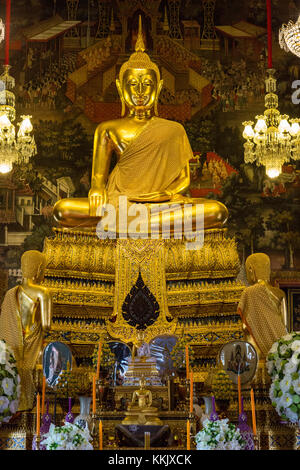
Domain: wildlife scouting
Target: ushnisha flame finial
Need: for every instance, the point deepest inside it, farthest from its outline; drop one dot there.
(139, 59)
(140, 46)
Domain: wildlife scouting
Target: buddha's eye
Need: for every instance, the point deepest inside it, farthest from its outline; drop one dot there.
(132, 82)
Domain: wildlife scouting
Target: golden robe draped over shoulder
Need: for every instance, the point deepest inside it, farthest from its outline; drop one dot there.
(151, 162)
(260, 311)
(26, 348)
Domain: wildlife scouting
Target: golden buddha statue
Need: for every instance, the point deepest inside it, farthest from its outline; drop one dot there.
(262, 307)
(26, 313)
(153, 159)
(143, 396)
(142, 413)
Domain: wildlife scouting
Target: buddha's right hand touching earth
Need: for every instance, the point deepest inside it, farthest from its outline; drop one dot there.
(97, 199)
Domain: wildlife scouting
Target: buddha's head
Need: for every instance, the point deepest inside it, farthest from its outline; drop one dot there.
(33, 265)
(258, 268)
(142, 382)
(139, 83)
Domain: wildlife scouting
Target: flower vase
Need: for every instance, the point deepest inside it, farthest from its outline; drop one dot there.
(208, 405)
(84, 419)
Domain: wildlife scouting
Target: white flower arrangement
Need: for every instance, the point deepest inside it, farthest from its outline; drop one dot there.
(219, 435)
(67, 437)
(283, 365)
(10, 388)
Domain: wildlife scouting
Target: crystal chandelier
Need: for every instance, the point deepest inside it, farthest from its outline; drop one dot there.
(13, 148)
(275, 139)
(289, 37)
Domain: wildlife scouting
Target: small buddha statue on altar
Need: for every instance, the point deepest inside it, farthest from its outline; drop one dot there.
(142, 413)
(142, 395)
(142, 364)
(262, 307)
(153, 161)
(26, 314)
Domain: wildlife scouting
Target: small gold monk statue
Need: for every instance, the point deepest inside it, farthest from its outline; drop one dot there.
(262, 307)
(153, 159)
(142, 413)
(26, 313)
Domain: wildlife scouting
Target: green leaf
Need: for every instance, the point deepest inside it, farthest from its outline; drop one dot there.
(296, 399)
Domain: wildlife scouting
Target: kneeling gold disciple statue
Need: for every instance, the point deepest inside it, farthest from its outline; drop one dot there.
(142, 413)
(25, 314)
(153, 159)
(262, 307)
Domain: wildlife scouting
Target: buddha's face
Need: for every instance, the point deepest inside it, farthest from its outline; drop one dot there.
(142, 383)
(139, 89)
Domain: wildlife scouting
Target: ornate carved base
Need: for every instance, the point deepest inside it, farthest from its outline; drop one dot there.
(133, 436)
(90, 279)
(146, 417)
(273, 433)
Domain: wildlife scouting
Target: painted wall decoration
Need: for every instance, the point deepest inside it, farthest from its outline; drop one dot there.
(294, 308)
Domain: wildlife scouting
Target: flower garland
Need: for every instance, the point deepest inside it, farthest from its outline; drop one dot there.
(222, 387)
(219, 435)
(178, 353)
(10, 388)
(283, 365)
(107, 357)
(67, 437)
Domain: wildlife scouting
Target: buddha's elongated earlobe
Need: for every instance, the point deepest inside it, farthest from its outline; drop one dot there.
(123, 110)
(159, 88)
(156, 106)
(119, 88)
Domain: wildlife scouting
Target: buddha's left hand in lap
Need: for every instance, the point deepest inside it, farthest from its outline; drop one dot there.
(153, 197)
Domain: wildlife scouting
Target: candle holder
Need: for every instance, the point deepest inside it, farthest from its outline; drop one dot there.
(188, 391)
(102, 389)
(256, 443)
(94, 430)
(37, 442)
(192, 420)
